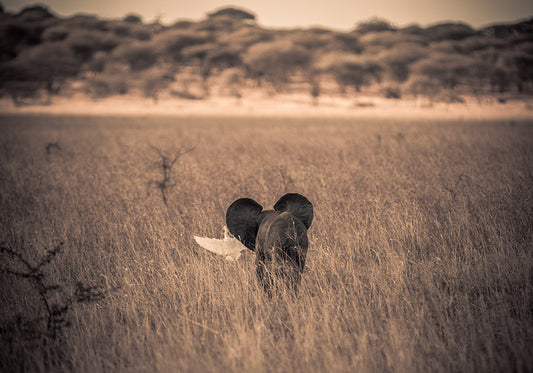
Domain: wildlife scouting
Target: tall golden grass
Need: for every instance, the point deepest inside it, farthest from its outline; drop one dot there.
(420, 252)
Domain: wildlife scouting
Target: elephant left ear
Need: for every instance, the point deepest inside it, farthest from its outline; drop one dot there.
(298, 206)
(242, 220)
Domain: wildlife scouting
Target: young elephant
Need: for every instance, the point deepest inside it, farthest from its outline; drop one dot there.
(279, 237)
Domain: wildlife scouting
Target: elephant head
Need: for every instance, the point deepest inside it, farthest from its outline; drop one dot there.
(278, 236)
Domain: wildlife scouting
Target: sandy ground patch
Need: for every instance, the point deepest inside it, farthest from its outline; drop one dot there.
(258, 104)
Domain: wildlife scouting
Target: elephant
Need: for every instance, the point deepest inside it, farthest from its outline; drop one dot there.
(278, 237)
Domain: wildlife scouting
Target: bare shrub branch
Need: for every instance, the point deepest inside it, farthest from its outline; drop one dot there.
(165, 164)
(56, 313)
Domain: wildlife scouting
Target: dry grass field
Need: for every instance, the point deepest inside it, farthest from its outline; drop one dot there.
(420, 253)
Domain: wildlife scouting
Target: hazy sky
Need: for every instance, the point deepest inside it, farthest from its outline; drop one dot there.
(341, 14)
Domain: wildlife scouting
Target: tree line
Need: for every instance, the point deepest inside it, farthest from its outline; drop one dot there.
(41, 54)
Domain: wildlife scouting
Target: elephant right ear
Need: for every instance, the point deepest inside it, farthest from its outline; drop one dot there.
(242, 220)
(298, 206)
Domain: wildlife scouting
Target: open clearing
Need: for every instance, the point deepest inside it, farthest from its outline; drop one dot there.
(420, 252)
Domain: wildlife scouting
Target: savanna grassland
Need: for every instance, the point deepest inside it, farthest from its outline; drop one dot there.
(420, 253)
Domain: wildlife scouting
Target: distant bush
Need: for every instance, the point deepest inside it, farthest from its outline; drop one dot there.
(212, 56)
(16, 36)
(182, 25)
(500, 77)
(398, 59)
(374, 25)
(231, 80)
(125, 29)
(98, 62)
(85, 43)
(445, 47)
(413, 29)
(449, 31)
(469, 45)
(348, 42)
(46, 66)
(233, 13)
(511, 68)
(133, 18)
(275, 61)
(55, 33)
(173, 42)
(503, 31)
(220, 24)
(18, 83)
(138, 55)
(245, 37)
(223, 57)
(35, 13)
(350, 69)
(86, 22)
(450, 98)
(152, 82)
(447, 69)
(478, 75)
(185, 94)
(504, 69)
(315, 90)
(392, 92)
(310, 40)
(419, 85)
(198, 51)
(50, 63)
(105, 85)
(522, 59)
(388, 39)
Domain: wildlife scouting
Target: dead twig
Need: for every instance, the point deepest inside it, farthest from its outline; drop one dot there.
(50, 147)
(55, 312)
(165, 165)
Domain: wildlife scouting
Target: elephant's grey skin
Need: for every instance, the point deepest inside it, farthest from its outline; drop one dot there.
(279, 237)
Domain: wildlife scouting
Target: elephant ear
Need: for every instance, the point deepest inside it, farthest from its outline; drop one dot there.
(298, 206)
(242, 220)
